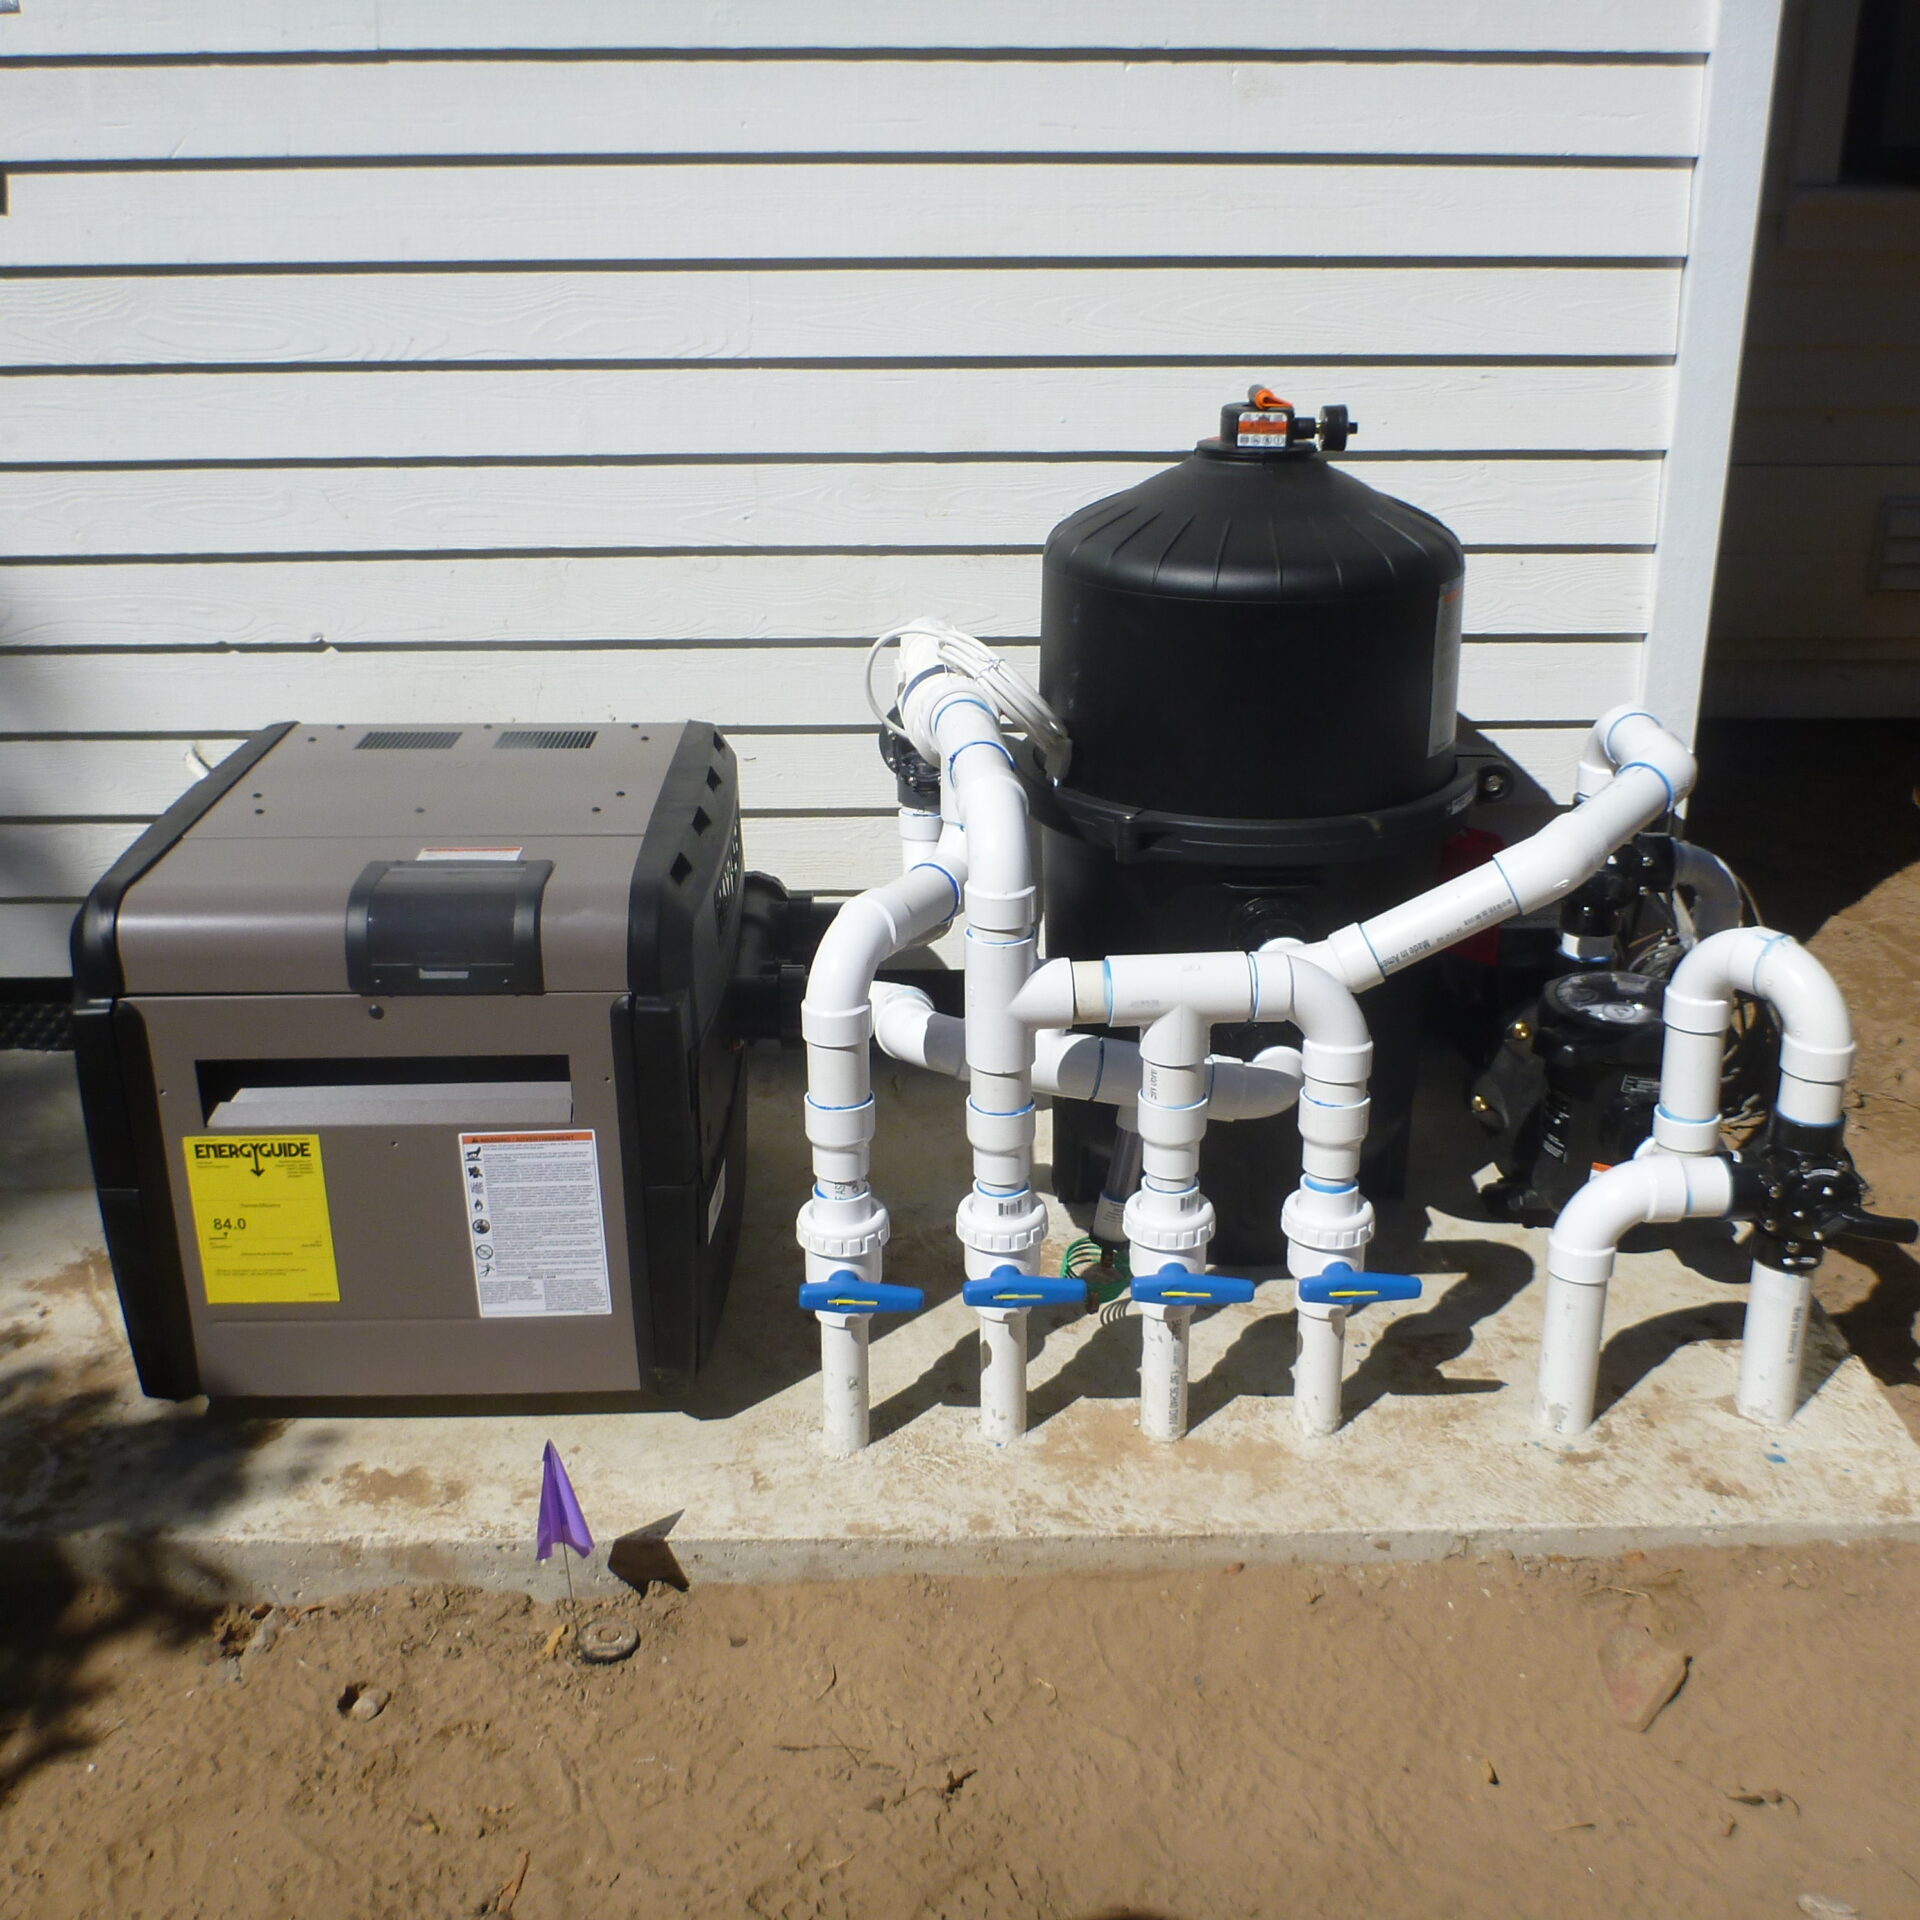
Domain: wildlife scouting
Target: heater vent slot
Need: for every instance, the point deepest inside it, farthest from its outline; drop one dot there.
(548, 739)
(398, 737)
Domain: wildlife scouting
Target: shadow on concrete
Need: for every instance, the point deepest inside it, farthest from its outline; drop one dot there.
(1107, 1367)
(1630, 1355)
(953, 1380)
(645, 1557)
(1258, 1366)
(1408, 1356)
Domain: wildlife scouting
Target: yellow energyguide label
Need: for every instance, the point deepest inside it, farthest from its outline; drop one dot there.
(260, 1218)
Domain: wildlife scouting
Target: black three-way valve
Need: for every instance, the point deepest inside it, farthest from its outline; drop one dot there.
(1799, 1186)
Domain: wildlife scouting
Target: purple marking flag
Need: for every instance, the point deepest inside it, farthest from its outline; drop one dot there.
(561, 1521)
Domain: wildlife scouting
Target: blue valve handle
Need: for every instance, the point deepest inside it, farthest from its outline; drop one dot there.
(1009, 1287)
(1176, 1287)
(1341, 1286)
(846, 1292)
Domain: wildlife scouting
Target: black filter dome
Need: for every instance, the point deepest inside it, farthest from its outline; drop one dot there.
(1254, 634)
(1257, 658)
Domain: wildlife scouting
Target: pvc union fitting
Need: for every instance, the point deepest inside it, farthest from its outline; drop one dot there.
(997, 1227)
(1170, 1223)
(848, 1233)
(1326, 1225)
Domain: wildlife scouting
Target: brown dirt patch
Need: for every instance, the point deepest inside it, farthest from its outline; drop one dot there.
(1429, 1740)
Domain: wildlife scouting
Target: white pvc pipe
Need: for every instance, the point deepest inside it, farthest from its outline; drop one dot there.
(1717, 905)
(1081, 1066)
(1773, 1345)
(953, 723)
(1003, 1374)
(841, 1224)
(1176, 997)
(1632, 771)
(919, 834)
(1816, 1041)
(1318, 1365)
(843, 1379)
(1164, 1332)
(1580, 1257)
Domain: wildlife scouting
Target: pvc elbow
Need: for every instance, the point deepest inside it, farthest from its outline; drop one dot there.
(1000, 891)
(1657, 1186)
(1627, 735)
(1633, 737)
(867, 932)
(1816, 1045)
(1716, 893)
(1338, 1046)
(908, 1029)
(1252, 1089)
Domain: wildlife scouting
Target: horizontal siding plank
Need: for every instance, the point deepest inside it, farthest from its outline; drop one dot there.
(57, 776)
(856, 211)
(131, 27)
(463, 108)
(1502, 683)
(460, 602)
(405, 509)
(573, 413)
(33, 938)
(807, 314)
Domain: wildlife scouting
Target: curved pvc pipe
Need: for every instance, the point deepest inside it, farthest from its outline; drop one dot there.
(842, 1224)
(1632, 771)
(1717, 904)
(1580, 1257)
(1816, 1042)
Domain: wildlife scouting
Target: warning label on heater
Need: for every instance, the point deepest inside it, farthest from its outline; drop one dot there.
(534, 1223)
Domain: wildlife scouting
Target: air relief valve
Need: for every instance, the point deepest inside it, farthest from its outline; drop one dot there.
(1267, 424)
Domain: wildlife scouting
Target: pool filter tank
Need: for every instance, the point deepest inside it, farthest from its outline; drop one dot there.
(1256, 657)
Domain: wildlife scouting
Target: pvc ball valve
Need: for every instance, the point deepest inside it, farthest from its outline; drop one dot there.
(846, 1292)
(1175, 1286)
(1009, 1287)
(1342, 1286)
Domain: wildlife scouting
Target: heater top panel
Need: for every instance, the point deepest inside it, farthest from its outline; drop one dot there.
(457, 784)
(428, 859)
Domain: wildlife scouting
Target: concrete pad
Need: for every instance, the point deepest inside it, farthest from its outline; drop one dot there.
(1437, 1456)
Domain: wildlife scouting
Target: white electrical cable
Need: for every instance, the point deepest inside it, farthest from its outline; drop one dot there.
(1019, 702)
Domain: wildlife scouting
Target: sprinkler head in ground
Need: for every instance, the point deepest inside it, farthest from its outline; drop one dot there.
(602, 1642)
